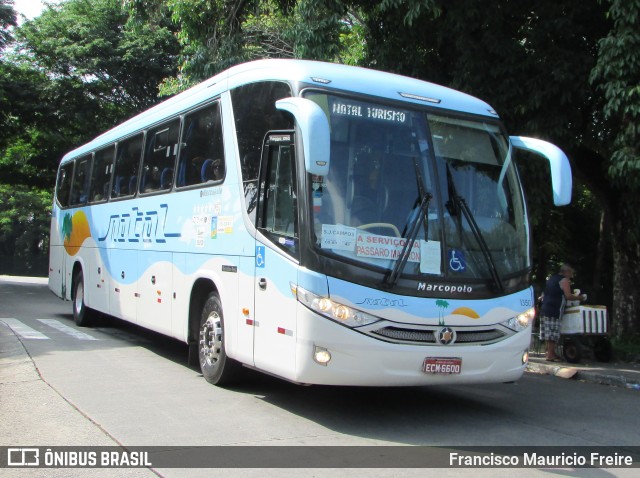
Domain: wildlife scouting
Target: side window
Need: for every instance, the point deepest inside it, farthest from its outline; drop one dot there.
(279, 194)
(160, 152)
(101, 174)
(255, 114)
(202, 151)
(125, 175)
(81, 181)
(63, 187)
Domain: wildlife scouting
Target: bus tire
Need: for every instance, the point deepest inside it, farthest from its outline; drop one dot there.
(216, 367)
(82, 315)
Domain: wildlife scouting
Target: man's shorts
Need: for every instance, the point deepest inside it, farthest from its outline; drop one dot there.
(549, 328)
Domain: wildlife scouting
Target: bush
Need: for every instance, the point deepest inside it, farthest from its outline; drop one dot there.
(627, 349)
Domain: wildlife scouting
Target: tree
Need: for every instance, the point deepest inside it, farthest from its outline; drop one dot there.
(24, 221)
(73, 72)
(88, 41)
(217, 34)
(617, 75)
(8, 19)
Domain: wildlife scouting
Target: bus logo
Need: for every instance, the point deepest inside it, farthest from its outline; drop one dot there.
(446, 336)
(139, 226)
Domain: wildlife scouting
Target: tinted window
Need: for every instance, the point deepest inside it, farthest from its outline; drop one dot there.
(255, 114)
(161, 149)
(81, 177)
(101, 174)
(125, 177)
(202, 152)
(280, 198)
(64, 183)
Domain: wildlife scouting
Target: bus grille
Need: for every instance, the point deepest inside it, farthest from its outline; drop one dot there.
(464, 336)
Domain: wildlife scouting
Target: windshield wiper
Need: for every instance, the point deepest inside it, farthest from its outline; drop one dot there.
(391, 278)
(459, 203)
(423, 192)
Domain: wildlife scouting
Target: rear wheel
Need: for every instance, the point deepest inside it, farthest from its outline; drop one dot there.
(217, 368)
(81, 313)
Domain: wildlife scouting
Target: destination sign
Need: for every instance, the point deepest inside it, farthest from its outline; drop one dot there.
(372, 112)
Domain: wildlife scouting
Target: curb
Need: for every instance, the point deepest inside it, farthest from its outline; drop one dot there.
(613, 378)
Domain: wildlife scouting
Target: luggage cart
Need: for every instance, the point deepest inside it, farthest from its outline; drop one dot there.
(584, 328)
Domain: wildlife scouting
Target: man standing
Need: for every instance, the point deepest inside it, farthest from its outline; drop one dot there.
(556, 293)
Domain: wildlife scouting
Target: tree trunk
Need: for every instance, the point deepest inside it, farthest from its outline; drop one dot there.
(598, 293)
(625, 317)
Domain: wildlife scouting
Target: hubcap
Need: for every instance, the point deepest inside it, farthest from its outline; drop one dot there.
(211, 340)
(79, 298)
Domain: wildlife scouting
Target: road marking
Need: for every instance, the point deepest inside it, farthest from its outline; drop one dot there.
(56, 324)
(24, 331)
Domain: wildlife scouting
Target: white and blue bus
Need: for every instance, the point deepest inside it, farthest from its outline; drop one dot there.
(323, 223)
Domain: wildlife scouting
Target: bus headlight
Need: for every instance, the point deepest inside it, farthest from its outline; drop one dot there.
(520, 322)
(334, 310)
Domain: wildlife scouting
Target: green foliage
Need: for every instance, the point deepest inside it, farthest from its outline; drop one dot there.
(87, 41)
(617, 75)
(267, 34)
(352, 41)
(25, 216)
(74, 72)
(627, 348)
(39, 118)
(411, 10)
(8, 18)
(211, 34)
(217, 34)
(318, 32)
(79, 70)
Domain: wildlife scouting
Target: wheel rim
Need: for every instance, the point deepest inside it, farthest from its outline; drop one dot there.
(211, 340)
(79, 300)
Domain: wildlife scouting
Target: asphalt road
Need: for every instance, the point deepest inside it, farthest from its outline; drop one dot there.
(117, 384)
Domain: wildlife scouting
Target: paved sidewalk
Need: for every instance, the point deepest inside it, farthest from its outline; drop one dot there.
(32, 413)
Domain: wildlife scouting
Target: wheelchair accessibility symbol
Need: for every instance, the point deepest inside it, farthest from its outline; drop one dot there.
(260, 260)
(456, 261)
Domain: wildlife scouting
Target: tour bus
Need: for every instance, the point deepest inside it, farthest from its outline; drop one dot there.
(322, 223)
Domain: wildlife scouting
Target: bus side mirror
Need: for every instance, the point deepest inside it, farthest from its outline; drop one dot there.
(314, 126)
(561, 181)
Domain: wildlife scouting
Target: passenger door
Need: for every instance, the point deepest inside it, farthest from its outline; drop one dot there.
(276, 263)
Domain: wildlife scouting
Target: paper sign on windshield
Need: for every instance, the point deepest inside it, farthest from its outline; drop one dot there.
(384, 247)
(430, 257)
(335, 236)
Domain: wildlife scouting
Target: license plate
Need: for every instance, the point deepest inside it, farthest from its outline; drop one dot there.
(442, 365)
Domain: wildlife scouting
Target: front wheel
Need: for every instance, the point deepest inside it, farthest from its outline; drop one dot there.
(81, 313)
(216, 367)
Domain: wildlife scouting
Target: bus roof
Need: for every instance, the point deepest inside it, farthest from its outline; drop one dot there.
(327, 75)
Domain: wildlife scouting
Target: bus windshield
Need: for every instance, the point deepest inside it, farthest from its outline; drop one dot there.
(390, 164)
